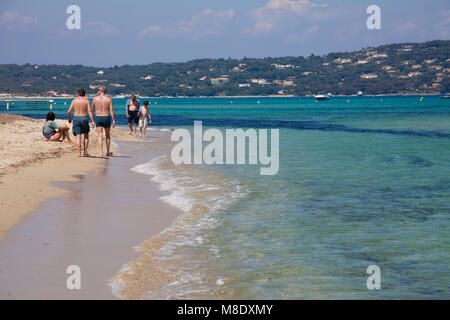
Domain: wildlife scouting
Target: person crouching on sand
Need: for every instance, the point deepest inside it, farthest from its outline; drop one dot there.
(53, 131)
(80, 127)
(143, 123)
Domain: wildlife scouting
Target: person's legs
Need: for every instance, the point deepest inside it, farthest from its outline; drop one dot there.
(108, 141)
(67, 135)
(56, 137)
(145, 129)
(79, 144)
(86, 144)
(100, 139)
(65, 132)
(131, 116)
(78, 129)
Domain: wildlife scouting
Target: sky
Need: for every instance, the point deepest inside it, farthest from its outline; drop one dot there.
(134, 32)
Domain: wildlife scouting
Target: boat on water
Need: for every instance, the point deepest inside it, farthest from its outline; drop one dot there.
(445, 97)
(322, 97)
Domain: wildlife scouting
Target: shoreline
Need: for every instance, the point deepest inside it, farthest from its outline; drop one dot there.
(409, 94)
(88, 224)
(30, 166)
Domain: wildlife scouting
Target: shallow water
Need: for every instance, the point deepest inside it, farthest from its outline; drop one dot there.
(360, 183)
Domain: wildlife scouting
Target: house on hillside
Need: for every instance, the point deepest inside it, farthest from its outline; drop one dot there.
(342, 61)
(284, 83)
(220, 80)
(260, 81)
(414, 74)
(379, 55)
(369, 76)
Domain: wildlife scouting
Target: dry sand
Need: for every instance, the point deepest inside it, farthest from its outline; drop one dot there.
(29, 165)
(80, 213)
(95, 225)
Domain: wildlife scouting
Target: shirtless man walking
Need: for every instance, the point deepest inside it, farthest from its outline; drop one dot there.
(132, 113)
(80, 126)
(104, 111)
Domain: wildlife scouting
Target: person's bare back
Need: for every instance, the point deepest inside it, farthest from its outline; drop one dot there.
(102, 105)
(104, 113)
(80, 106)
(144, 111)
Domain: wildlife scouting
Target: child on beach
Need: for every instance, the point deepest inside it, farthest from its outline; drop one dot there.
(53, 131)
(143, 123)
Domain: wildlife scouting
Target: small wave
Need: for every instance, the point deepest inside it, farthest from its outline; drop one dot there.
(161, 174)
(114, 144)
(179, 255)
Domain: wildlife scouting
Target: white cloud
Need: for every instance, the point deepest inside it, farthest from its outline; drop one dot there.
(12, 20)
(446, 15)
(267, 17)
(408, 27)
(297, 6)
(262, 26)
(207, 21)
(308, 34)
(153, 29)
(443, 25)
(101, 28)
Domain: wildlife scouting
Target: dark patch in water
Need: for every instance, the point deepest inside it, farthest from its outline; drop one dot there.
(425, 211)
(386, 189)
(416, 160)
(175, 120)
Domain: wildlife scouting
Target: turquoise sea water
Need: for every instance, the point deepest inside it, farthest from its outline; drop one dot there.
(360, 183)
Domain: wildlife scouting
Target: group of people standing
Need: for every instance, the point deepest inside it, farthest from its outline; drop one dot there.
(102, 107)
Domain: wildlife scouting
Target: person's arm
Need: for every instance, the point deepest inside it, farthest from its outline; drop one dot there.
(91, 114)
(54, 126)
(69, 113)
(126, 108)
(111, 109)
(149, 117)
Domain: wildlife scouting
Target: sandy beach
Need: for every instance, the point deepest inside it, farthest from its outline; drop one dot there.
(59, 210)
(29, 165)
(95, 225)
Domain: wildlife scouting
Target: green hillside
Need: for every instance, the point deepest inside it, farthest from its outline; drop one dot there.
(388, 69)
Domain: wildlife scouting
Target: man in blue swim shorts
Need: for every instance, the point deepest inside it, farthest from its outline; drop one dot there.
(104, 114)
(132, 113)
(80, 126)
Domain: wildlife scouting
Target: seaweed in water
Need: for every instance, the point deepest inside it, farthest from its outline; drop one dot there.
(415, 160)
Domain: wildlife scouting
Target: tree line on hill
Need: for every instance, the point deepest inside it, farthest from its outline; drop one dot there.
(388, 69)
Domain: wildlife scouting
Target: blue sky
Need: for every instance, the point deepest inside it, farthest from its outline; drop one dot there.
(140, 32)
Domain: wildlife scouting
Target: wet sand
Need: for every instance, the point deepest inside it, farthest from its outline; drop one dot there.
(96, 224)
(29, 165)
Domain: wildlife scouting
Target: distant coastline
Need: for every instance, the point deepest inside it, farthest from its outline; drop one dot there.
(393, 69)
(20, 97)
